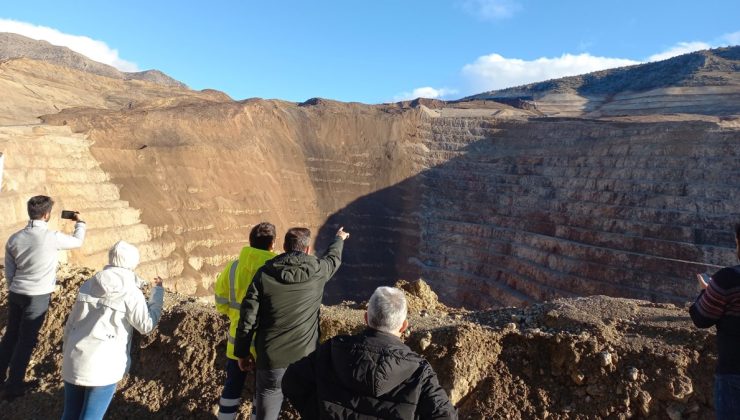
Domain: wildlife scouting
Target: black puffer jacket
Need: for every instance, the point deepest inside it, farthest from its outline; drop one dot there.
(368, 376)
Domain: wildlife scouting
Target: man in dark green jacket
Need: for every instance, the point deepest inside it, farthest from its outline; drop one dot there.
(282, 305)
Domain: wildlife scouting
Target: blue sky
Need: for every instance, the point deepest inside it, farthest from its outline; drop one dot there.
(374, 51)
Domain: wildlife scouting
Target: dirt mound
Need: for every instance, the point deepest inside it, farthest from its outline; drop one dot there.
(594, 357)
(420, 297)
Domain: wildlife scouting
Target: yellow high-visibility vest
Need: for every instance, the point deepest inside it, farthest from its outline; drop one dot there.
(231, 287)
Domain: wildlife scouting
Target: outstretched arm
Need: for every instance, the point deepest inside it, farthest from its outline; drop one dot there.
(710, 305)
(75, 241)
(329, 263)
(143, 315)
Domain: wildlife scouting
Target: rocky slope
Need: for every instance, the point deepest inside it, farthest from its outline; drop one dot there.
(493, 203)
(582, 358)
(703, 82)
(18, 46)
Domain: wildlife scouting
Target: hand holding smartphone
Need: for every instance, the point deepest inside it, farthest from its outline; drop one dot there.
(70, 215)
(703, 279)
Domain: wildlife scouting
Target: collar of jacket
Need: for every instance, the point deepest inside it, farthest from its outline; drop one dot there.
(37, 223)
(383, 336)
(292, 267)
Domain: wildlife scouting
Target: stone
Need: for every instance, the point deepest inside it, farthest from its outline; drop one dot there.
(633, 373)
(605, 359)
(425, 341)
(674, 412)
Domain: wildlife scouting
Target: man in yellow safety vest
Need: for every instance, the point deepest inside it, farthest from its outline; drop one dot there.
(230, 288)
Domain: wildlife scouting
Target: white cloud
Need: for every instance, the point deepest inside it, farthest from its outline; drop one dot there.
(678, 49)
(491, 9)
(731, 38)
(91, 48)
(424, 92)
(490, 72)
(494, 71)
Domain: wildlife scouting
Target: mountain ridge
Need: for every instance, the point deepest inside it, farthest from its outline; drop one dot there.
(679, 71)
(14, 46)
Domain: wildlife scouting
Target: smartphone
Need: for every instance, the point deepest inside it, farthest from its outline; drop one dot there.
(68, 214)
(705, 277)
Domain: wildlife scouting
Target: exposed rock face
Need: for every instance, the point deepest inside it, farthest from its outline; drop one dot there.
(52, 160)
(201, 186)
(553, 208)
(493, 204)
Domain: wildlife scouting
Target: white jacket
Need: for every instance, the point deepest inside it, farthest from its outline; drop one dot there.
(97, 336)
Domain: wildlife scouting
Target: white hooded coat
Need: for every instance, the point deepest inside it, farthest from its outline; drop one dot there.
(97, 336)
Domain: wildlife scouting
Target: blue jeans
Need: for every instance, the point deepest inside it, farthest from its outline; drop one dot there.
(727, 397)
(26, 315)
(269, 393)
(86, 402)
(231, 396)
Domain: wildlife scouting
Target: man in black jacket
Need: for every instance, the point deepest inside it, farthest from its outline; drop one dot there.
(372, 375)
(282, 305)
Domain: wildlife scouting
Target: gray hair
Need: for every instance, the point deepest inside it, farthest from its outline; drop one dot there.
(386, 309)
(123, 255)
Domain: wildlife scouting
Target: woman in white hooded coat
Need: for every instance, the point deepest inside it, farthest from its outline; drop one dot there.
(97, 336)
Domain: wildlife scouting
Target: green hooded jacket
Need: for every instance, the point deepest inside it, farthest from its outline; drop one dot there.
(282, 305)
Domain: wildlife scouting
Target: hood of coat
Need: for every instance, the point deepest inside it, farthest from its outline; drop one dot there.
(110, 283)
(292, 267)
(373, 363)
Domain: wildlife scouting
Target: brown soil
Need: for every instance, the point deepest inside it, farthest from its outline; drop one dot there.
(583, 358)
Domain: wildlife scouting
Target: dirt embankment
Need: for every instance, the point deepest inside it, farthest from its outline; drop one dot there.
(584, 358)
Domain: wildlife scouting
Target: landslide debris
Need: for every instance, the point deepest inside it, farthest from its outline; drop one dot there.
(585, 358)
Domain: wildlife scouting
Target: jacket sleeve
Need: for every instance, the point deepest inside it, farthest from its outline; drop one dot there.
(711, 302)
(221, 291)
(71, 242)
(144, 315)
(248, 318)
(299, 387)
(10, 266)
(433, 401)
(330, 262)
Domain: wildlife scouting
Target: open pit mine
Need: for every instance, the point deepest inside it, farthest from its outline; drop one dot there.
(622, 183)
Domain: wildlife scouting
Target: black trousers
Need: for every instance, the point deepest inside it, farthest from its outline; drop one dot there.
(26, 315)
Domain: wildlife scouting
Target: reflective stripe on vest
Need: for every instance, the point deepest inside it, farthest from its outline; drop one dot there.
(232, 286)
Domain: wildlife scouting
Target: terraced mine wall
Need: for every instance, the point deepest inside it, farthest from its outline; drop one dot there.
(513, 212)
(203, 174)
(54, 161)
(491, 212)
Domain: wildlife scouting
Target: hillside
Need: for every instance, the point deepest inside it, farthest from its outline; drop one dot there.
(586, 358)
(703, 82)
(17, 46)
(494, 204)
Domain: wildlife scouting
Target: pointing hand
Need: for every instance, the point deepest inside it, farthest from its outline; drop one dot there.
(342, 234)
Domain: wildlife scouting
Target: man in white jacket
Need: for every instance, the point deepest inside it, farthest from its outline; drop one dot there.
(31, 259)
(97, 336)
